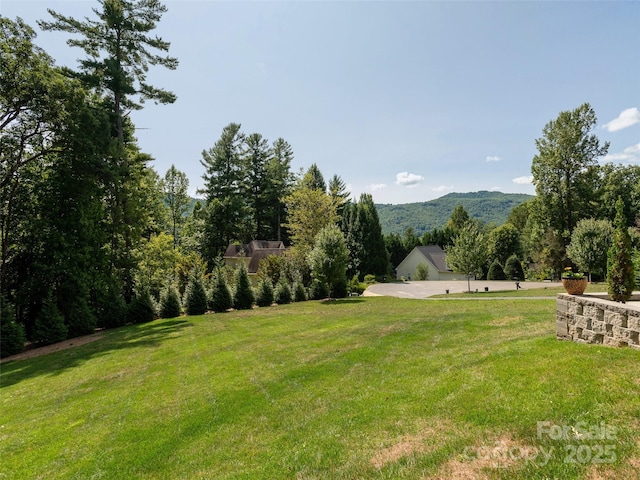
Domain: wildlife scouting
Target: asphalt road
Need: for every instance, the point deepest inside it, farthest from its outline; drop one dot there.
(428, 288)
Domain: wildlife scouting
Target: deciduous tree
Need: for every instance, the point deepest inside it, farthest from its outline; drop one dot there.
(565, 168)
(468, 254)
(329, 258)
(590, 242)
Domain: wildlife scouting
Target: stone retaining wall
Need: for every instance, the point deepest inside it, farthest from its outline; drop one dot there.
(593, 318)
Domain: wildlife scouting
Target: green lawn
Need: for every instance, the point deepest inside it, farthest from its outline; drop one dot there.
(361, 388)
(524, 292)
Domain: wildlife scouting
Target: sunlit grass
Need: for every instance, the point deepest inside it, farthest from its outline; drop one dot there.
(550, 291)
(361, 388)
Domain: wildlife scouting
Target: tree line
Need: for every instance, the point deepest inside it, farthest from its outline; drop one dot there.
(92, 236)
(568, 224)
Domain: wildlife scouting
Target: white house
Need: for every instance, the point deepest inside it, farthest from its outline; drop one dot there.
(434, 258)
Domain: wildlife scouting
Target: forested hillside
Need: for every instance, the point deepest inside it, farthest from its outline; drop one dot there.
(488, 207)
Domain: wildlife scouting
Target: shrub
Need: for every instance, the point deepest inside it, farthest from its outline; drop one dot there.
(221, 299)
(620, 275)
(264, 296)
(299, 292)
(49, 326)
(195, 296)
(513, 268)
(243, 298)
(111, 309)
(369, 279)
(340, 288)
(283, 293)
(422, 272)
(12, 336)
(170, 303)
(318, 290)
(357, 287)
(80, 318)
(141, 309)
(496, 272)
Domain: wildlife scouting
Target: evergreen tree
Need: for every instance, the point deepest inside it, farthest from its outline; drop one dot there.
(225, 208)
(620, 276)
(119, 50)
(170, 303)
(318, 290)
(142, 307)
(374, 259)
(350, 226)
(264, 294)
(513, 268)
(195, 296)
(12, 335)
(50, 326)
(175, 186)
(299, 292)
(117, 46)
(313, 179)
(339, 194)
(496, 272)
(243, 298)
(282, 294)
(256, 184)
(221, 299)
(279, 186)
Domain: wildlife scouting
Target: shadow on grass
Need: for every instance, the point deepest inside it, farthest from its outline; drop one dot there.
(145, 335)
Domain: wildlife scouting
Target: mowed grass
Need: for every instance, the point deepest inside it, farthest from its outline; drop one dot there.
(360, 388)
(550, 291)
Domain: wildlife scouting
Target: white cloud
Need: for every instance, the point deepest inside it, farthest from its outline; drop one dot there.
(523, 180)
(628, 155)
(377, 186)
(493, 158)
(442, 188)
(627, 117)
(407, 179)
(495, 189)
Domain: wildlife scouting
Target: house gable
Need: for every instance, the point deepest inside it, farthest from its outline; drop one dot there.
(431, 255)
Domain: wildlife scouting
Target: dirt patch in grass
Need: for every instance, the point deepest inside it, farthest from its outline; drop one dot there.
(55, 347)
(631, 469)
(479, 461)
(425, 440)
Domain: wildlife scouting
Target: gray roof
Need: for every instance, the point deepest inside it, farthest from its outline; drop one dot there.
(257, 250)
(435, 255)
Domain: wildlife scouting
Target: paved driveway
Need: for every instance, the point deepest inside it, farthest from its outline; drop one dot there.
(428, 288)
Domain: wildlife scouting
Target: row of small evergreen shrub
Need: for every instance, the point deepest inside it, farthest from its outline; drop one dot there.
(512, 270)
(51, 325)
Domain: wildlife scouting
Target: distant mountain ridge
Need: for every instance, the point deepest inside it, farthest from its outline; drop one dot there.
(488, 207)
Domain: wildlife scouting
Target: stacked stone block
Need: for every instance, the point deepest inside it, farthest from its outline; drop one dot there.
(594, 319)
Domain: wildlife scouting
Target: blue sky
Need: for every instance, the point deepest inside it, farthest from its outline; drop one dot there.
(405, 100)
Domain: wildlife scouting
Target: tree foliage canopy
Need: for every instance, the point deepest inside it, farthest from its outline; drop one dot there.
(468, 254)
(564, 169)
